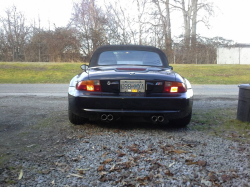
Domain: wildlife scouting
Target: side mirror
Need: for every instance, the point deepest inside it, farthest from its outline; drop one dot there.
(84, 67)
(171, 67)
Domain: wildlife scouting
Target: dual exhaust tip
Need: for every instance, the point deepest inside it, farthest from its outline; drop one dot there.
(157, 119)
(108, 117)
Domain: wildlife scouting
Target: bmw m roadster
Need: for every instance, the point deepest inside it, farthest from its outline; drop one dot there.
(130, 80)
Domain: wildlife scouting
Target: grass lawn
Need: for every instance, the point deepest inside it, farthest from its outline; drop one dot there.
(34, 72)
(221, 122)
(214, 73)
(13, 72)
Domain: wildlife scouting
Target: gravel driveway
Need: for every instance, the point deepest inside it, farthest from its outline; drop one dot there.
(41, 145)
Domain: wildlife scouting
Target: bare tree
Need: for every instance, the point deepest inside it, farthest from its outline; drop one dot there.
(120, 23)
(16, 33)
(59, 45)
(190, 11)
(90, 21)
(3, 47)
(163, 14)
(141, 18)
(193, 12)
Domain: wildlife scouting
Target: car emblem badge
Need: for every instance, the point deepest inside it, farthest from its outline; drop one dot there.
(108, 83)
(158, 83)
(132, 73)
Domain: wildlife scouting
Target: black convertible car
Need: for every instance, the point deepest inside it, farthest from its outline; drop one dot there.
(130, 80)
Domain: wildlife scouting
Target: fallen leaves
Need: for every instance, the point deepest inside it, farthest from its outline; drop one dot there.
(46, 171)
(167, 148)
(202, 163)
(212, 177)
(83, 169)
(205, 182)
(116, 131)
(75, 159)
(168, 173)
(179, 151)
(59, 155)
(20, 175)
(104, 147)
(138, 164)
(121, 154)
(60, 164)
(112, 168)
(170, 165)
(81, 172)
(53, 182)
(134, 148)
(85, 141)
(142, 179)
(105, 154)
(102, 173)
(190, 162)
(75, 175)
(100, 168)
(225, 178)
(107, 160)
(103, 178)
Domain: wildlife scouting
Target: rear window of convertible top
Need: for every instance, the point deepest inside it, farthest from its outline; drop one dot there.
(144, 58)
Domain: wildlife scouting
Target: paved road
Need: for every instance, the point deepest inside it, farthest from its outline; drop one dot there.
(60, 90)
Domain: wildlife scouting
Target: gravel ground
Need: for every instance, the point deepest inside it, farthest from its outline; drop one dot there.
(128, 153)
(139, 157)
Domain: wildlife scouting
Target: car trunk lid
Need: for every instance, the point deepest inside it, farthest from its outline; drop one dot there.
(110, 77)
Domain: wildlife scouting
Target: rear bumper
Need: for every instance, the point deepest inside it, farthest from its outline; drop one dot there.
(90, 106)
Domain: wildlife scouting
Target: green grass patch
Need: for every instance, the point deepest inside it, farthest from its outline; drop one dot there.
(222, 122)
(34, 72)
(38, 72)
(214, 74)
(3, 159)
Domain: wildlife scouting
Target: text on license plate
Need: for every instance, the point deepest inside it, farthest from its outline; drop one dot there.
(132, 86)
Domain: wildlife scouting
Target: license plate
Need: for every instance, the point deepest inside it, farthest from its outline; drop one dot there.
(132, 86)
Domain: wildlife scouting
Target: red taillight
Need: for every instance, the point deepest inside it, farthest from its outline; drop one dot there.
(174, 87)
(89, 85)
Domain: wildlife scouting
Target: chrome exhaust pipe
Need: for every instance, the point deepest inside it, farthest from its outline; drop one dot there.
(104, 117)
(110, 117)
(160, 119)
(154, 118)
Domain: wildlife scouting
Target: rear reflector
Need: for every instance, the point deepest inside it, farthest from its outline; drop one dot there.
(89, 85)
(174, 87)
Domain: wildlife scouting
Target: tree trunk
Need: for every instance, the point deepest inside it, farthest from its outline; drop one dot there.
(186, 19)
(168, 37)
(194, 23)
(166, 24)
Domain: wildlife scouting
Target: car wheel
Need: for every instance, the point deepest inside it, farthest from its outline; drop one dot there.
(183, 122)
(76, 120)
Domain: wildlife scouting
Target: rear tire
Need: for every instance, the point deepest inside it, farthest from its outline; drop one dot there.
(183, 122)
(75, 119)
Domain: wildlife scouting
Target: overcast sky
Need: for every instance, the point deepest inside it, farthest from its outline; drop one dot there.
(231, 19)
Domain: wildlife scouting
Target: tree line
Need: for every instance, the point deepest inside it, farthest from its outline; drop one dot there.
(139, 22)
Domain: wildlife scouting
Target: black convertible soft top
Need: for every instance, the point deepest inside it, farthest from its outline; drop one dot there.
(95, 56)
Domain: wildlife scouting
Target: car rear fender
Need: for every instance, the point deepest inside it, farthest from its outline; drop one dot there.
(72, 85)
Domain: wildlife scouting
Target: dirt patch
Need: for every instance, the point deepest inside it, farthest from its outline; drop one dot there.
(33, 124)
